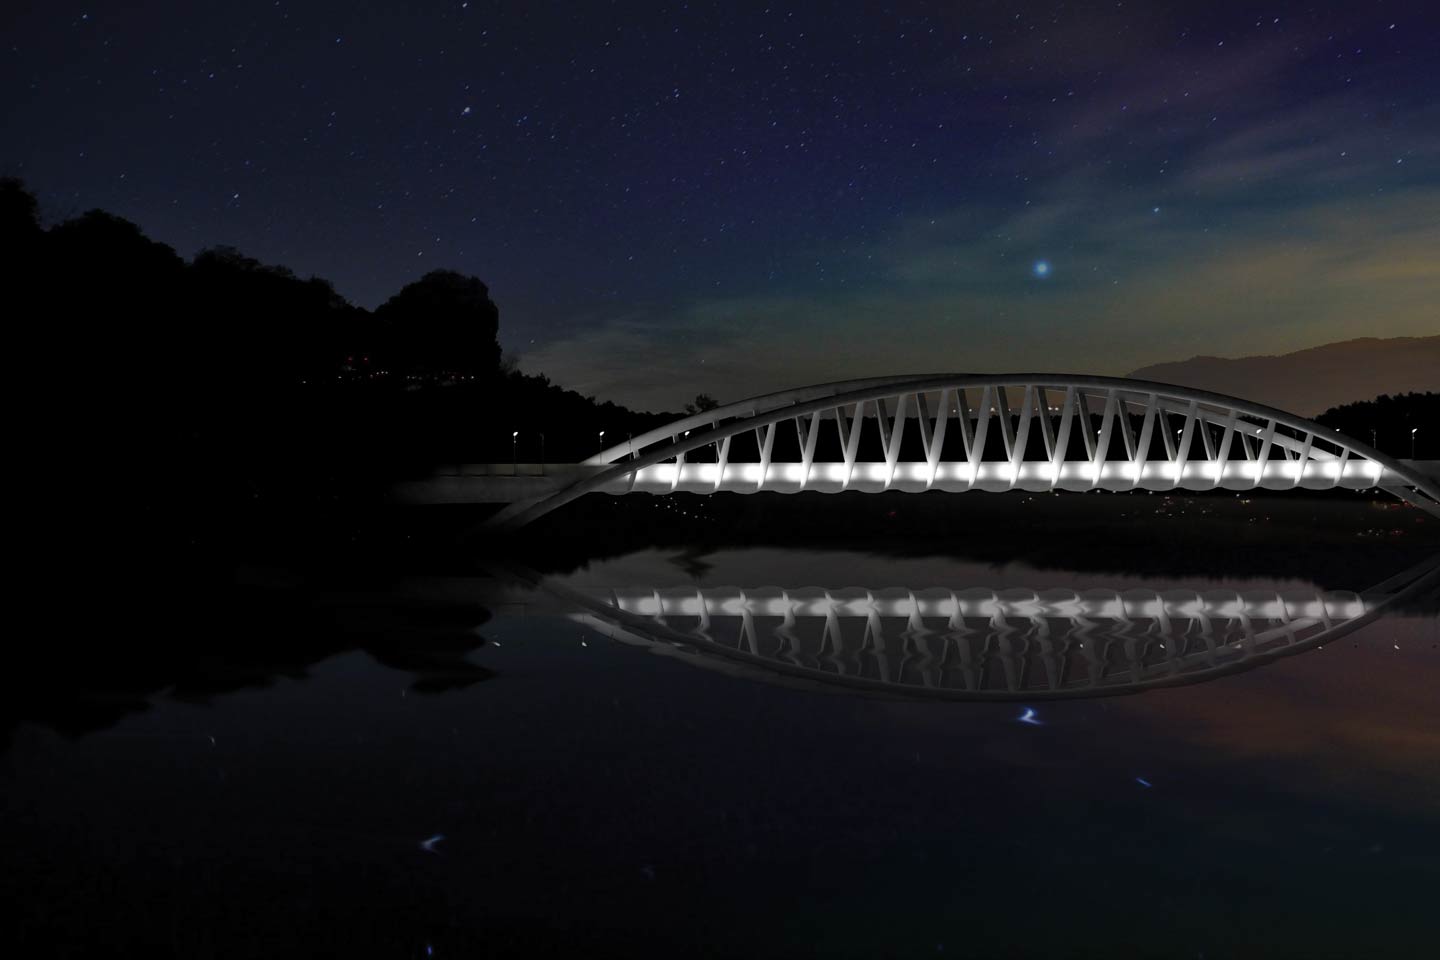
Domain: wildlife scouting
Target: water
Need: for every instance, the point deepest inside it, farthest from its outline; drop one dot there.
(468, 752)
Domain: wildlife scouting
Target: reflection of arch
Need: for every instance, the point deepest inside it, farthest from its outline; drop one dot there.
(982, 644)
(959, 432)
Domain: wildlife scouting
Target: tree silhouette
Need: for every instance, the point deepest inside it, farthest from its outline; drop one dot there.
(272, 328)
(442, 325)
(19, 213)
(1387, 420)
(194, 387)
(702, 403)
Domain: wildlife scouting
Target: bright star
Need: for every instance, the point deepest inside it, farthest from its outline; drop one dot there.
(1042, 268)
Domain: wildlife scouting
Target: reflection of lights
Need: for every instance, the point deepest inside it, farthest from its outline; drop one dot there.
(1277, 624)
(1143, 782)
(429, 845)
(1029, 717)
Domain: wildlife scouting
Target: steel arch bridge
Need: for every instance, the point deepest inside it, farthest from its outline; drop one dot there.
(989, 432)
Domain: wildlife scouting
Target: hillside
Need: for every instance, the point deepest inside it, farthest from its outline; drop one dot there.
(1308, 382)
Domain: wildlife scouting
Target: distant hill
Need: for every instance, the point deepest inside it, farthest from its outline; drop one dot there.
(1308, 382)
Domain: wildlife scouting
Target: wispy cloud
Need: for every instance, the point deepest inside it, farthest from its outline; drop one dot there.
(1126, 290)
(1283, 227)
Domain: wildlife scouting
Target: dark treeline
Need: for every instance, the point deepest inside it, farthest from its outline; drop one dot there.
(221, 377)
(1403, 425)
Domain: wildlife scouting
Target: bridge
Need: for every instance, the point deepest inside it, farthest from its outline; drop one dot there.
(958, 433)
(978, 643)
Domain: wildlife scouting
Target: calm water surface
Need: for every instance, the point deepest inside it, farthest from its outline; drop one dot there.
(472, 762)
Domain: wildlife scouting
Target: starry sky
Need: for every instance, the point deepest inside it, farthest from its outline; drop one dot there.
(736, 197)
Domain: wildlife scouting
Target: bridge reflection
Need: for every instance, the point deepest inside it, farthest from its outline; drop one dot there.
(978, 643)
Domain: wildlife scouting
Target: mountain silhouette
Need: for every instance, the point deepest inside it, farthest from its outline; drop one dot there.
(1308, 382)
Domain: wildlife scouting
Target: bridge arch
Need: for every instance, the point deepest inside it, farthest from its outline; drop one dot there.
(989, 432)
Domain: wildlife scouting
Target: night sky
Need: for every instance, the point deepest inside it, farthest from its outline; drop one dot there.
(735, 197)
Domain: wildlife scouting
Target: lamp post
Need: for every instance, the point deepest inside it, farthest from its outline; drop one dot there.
(1412, 442)
(515, 454)
(1372, 438)
(602, 442)
(542, 454)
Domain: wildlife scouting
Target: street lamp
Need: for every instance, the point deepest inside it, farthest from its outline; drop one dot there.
(602, 440)
(1412, 442)
(515, 453)
(1372, 438)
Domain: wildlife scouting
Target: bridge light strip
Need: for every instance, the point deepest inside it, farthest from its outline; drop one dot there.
(1033, 475)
